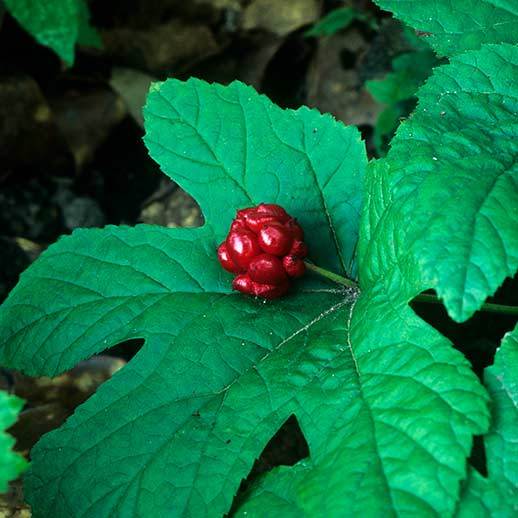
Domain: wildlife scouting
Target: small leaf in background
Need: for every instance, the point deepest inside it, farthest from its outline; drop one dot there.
(497, 493)
(87, 35)
(409, 71)
(453, 27)
(398, 88)
(58, 24)
(54, 23)
(11, 463)
(334, 82)
(335, 21)
(388, 121)
(447, 190)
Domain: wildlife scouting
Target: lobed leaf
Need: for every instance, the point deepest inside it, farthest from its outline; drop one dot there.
(166, 412)
(385, 451)
(97, 288)
(451, 27)
(89, 291)
(447, 192)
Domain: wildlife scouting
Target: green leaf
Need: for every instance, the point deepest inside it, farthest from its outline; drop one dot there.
(174, 411)
(99, 281)
(410, 70)
(188, 420)
(496, 495)
(11, 463)
(87, 35)
(335, 21)
(397, 89)
(251, 151)
(447, 192)
(175, 406)
(385, 449)
(453, 27)
(387, 406)
(54, 23)
(100, 287)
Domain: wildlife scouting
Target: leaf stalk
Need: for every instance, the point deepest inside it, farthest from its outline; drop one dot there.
(330, 275)
(487, 306)
(424, 297)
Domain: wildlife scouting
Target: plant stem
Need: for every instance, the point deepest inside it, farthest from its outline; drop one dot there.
(488, 306)
(330, 275)
(427, 298)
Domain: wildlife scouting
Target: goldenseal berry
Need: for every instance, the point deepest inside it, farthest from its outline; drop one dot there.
(265, 249)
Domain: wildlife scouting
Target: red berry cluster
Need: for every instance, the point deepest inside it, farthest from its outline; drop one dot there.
(265, 247)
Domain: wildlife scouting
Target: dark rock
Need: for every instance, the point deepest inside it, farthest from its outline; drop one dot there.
(83, 212)
(31, 141)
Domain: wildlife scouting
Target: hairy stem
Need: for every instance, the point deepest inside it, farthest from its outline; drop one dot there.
(427, 298)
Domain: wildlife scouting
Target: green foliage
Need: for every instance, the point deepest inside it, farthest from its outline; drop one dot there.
(335, 21)
(453, 27)
(409, 71)
(387, 406)
(387, 123)
(222, 385)
(87, 35)
(452, 170)
(58, 24)
(496, 495)
(11, 464)
(385, 450)
(165, 286)
(397, 90)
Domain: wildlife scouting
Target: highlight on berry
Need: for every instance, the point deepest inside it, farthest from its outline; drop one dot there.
(265, 249)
